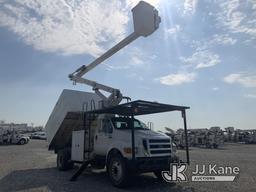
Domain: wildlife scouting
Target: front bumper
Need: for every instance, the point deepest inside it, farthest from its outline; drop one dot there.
(150, 164)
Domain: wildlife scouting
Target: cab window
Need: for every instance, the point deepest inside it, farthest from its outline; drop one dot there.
(106, 126)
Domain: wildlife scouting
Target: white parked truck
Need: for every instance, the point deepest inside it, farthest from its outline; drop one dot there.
(96, 130)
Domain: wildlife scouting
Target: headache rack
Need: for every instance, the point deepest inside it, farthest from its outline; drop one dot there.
(141, 107)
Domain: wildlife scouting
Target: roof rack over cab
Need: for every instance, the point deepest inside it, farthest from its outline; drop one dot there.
(141, 107)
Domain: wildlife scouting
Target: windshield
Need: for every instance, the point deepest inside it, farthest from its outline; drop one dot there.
(125, 123)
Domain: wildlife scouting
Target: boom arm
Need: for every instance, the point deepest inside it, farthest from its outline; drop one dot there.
(84, 69)
(146, 21)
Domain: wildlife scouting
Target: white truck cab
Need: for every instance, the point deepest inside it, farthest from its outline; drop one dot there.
(115, 132)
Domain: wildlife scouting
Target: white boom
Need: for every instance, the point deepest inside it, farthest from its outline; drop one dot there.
(146, 21)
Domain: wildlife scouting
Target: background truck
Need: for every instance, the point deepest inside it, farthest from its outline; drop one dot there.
(96, 130)
(238, 135)
(250, 136)
(209, 138)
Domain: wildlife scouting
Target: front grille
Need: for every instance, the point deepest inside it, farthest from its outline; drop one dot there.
(159, 147)
(159, 140)
(160, 151)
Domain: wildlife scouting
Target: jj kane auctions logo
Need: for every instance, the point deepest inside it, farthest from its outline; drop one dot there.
(201, 173)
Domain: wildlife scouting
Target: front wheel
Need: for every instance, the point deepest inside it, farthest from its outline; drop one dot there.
(158, 175)
(117, 171)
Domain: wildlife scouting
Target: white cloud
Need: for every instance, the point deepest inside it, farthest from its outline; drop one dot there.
(251, 96)
(202, 59)
(173, 30)
(67, 27)
(177, 78)
(253, 4)
(238, 16)
(139, 58)
(242, 79)
(222, 39)
(213, 41)
(190, 6)
(135, 58)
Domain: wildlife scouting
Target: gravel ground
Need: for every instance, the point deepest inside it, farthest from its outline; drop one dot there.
(32, 168)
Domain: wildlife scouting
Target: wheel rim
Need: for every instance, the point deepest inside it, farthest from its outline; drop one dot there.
(22, 142)
(116, 170)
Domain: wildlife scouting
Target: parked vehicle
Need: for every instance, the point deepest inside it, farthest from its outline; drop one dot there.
(240, 135)
(212, 138)
(250, 136)
(32, 135)
(12, 137)
(38, 135)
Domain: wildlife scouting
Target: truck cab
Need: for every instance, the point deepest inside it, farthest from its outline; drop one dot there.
(153, 150)
(112, 139)
(115, 132)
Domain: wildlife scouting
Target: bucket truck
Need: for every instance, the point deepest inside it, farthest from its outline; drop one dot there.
(96, 130)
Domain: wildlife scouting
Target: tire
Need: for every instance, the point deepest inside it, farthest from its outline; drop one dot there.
(158, 175)
(215, 146)
(161, 180)
(63, 160)
(22, 142)
(117, 171)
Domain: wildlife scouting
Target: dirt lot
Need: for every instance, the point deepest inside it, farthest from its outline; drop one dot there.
(32, 168)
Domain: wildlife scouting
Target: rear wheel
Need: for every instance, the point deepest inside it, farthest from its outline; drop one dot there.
(117, 171)
(63, 160)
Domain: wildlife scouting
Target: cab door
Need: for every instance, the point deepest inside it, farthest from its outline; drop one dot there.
(103, 137)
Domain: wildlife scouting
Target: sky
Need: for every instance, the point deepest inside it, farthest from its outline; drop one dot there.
(202, 56)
